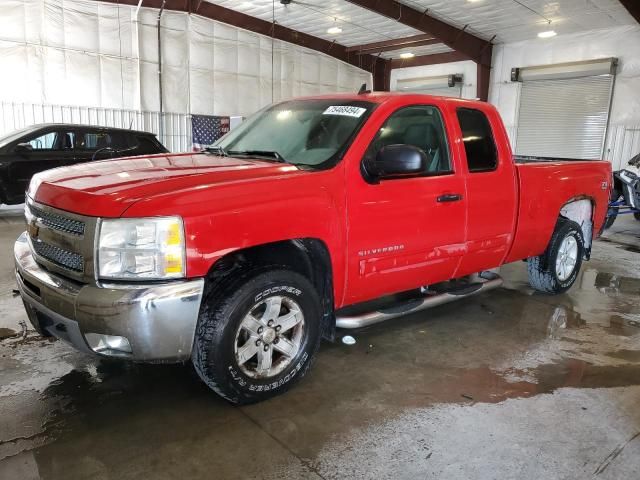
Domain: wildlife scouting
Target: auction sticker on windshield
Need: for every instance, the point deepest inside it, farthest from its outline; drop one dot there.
(345, 110)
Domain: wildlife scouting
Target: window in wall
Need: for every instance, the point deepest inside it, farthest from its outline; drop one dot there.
(477, 136)
(422, 127)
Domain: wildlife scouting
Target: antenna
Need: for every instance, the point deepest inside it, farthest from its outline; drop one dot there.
(363, 89)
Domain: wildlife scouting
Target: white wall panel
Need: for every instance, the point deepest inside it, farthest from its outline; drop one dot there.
(467, 68)
(83, 53)
(619, 42)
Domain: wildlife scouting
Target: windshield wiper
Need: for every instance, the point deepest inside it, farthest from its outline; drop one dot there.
(270, 154)
(217, 149)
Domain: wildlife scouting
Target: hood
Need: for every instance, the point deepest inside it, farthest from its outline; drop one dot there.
(107, 188)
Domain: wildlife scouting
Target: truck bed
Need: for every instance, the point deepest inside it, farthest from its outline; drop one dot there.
(546, 185)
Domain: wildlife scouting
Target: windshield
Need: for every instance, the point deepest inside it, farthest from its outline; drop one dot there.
(15, 135)
(313, 133)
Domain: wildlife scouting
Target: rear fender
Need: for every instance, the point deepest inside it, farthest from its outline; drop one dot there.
(581, 210)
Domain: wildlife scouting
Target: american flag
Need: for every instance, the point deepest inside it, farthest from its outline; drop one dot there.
(206, 129)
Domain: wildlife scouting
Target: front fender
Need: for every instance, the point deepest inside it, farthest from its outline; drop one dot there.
(225, 218)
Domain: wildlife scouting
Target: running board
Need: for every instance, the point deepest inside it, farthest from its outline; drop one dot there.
(484, 281)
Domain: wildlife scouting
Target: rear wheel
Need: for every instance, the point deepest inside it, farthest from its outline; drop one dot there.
(256, 339)
(556, 270)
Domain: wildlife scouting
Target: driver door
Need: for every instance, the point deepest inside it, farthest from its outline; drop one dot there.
(46, 149)
(409, 231)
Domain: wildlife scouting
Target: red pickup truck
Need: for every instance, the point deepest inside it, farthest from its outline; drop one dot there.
(310, 216)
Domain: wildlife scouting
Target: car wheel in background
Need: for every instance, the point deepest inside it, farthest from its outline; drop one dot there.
(612, 213)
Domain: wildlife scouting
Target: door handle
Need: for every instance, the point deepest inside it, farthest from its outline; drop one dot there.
(449, 197)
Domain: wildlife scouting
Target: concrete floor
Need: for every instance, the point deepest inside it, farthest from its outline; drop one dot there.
(510, 384)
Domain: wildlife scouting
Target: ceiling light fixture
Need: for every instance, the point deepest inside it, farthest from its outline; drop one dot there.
(335, 29)
(547, 34)
(407, 55)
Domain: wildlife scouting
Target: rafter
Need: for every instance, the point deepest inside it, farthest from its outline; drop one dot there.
(397, 44)
(422, 60)
(473, 47)
(633, 7)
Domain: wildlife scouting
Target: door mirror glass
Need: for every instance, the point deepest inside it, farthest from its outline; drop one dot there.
(23, 148)
(398, 161)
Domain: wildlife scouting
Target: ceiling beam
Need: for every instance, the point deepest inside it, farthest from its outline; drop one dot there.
(422, 60)
(397, 44)
(472, 47)
(368, 63)
(633, 6)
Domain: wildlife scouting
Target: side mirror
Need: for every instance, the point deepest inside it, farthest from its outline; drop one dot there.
(397, 161)
(23, 148)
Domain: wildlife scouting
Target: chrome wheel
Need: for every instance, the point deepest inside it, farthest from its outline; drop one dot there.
(269, 337)
(567, 258)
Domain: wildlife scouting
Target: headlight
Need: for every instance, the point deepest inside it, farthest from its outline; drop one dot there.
(141, 248)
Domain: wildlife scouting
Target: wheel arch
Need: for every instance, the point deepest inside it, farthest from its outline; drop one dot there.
(309, 257)
(581, 210)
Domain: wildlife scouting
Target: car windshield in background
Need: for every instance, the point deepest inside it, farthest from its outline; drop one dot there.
(15, 135)
(313, 133)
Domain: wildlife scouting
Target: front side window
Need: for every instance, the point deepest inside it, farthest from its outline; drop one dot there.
(312, 133)
(422, 127)
(479, 146)
(52, 141)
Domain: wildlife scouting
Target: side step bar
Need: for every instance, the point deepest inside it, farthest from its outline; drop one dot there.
(482, 282)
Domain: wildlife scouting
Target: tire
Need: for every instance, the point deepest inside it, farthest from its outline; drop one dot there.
(637, 216)
(612, 213)
(548, 273)
(229, 347)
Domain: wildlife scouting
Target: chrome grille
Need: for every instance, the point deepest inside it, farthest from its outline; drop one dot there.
(64, 258)
(58, 222)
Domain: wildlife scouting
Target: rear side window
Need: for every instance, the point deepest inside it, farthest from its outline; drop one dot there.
(479, 145)
(97, 140)
(147, 146)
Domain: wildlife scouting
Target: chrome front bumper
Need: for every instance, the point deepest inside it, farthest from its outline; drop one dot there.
(158, 320)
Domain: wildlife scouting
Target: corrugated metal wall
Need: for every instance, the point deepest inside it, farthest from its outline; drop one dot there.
(623, 143)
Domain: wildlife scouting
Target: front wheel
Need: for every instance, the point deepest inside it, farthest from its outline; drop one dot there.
(556, 270)
(259, 336)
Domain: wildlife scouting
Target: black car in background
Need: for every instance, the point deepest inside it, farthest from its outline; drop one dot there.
(30, 150)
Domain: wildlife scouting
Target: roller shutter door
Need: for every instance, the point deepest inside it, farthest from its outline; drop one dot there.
(564, 118)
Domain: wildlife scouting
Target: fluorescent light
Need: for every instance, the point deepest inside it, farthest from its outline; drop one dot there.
(334, 30)
(407, 55)
(547, 34)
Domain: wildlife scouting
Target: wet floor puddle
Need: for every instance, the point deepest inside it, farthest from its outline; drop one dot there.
(587, 339)
(625, 246)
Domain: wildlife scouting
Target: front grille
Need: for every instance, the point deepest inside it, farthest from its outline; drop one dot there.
(58, 222)
(59, 256)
